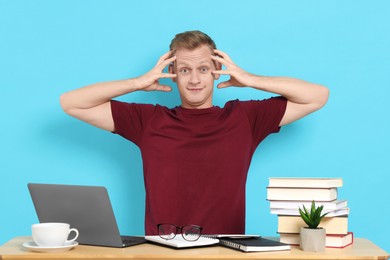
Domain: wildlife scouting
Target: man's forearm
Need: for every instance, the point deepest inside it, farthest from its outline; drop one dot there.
(294, 90)
(303, 97)
(96, 94)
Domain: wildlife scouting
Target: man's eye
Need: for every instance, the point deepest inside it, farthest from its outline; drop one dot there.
(204, 70)
(184, 71)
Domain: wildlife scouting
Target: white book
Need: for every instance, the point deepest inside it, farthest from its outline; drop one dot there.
(328, 205)
(307, 194)
(295, 182)
(179, 242)
(295, 212)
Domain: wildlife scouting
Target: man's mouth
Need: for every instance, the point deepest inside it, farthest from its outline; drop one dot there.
(194, 89)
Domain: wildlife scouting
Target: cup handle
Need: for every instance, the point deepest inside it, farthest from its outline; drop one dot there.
(76, 236)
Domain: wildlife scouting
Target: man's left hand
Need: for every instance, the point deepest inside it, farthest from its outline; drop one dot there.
(238, 77)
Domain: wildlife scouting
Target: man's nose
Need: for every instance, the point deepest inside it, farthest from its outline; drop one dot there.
(195, 79)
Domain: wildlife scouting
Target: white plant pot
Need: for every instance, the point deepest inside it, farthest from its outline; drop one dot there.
(313, 240)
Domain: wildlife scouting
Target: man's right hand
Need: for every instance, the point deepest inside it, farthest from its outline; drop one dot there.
(150, 80)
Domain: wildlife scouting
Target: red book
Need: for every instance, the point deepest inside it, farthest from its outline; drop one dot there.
(339, 241)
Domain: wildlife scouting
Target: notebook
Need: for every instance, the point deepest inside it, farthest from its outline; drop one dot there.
(253, 244)
(179, 242)
(87, 208)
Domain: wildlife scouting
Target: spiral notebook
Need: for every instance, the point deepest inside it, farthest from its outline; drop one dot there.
(253, 244)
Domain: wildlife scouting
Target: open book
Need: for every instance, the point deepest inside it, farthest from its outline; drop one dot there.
(245, 243)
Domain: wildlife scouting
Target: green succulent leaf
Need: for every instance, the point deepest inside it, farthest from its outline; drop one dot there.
(306, 220)
(317, 212)
(304, 217)
(306, 211)
(313, 208)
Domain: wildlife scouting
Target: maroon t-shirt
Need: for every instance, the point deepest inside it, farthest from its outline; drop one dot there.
(196, 160)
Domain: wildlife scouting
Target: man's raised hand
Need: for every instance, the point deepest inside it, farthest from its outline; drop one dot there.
(238, 77)
(150, 80)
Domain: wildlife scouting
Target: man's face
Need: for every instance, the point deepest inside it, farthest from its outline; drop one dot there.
(194, 78)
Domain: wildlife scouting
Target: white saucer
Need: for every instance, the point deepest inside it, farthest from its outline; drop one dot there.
(35, 248)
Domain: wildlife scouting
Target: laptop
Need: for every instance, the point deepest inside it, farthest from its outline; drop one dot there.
(87, 208)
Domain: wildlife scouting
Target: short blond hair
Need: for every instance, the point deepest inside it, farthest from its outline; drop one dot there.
(191, 40)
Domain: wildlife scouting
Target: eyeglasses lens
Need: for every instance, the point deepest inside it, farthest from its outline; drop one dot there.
(191, 233)
(167, 231)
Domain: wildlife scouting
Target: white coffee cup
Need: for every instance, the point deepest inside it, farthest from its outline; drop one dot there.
(52, 234)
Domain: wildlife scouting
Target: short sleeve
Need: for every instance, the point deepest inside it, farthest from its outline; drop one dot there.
(264, 116)
(130, 119)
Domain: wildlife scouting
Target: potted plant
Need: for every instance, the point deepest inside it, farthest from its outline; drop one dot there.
(312, 236)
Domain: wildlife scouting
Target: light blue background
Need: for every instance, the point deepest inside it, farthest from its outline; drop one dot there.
(50, 47)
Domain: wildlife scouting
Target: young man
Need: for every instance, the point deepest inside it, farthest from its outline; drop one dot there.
(195, 156)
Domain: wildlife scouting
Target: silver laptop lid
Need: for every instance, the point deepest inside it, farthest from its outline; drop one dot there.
(87, 208)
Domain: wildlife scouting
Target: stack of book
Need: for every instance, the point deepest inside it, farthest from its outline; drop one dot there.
(287, 195)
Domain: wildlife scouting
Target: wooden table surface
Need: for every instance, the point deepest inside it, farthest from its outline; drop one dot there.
(361, 249)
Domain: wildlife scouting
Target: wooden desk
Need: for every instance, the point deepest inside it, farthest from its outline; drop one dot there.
(361, 249)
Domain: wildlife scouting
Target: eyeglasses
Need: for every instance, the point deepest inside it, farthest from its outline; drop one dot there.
(188, 232)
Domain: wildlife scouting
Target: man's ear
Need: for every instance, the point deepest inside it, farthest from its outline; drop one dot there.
(171, 70)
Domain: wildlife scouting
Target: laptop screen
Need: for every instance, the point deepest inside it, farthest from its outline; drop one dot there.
(87, 208)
